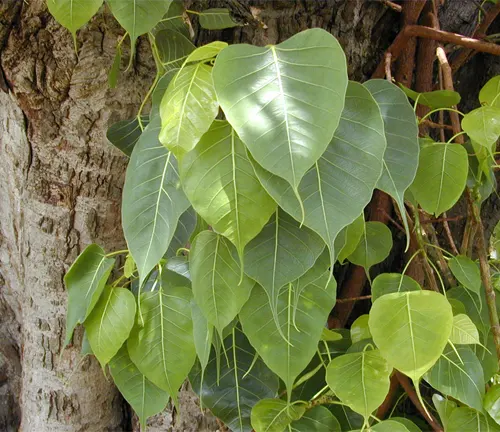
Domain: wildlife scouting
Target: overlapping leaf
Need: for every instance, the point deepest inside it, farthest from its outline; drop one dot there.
(349, 238)
(464, 331)
(185, 228)
(274, 415)
(387, 283)
(216, 19)
(435, 99)
(159, 92)
(220, 182)
(483, 125)
(173, 48)
(203, 333)
(73, 14)
(490, 93)
(492, 402)
(467, 419)
(285, 100)
(317, 419)
(188, 108)
(153, 200)
(173, 20)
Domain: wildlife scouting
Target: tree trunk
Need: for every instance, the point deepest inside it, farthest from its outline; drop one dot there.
(62, 183)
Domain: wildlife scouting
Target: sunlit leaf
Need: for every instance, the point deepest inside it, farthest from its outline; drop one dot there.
(490, 93)
(73, 14)
(464, 331)
(317, 419)
(206, 52)
(203, 334)
(492, 402)
(360, 329)
(467, 419)
(173, 48)
(387, 283)
(216, 19)
(274, 415)
(349, 238)
(115, 68)
(444, 407)
(173, 20)
(434, 99)
(159, 92)
(483, 125)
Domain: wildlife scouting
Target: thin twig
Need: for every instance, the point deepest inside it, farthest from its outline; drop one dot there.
(392, 5)
(448, 234)
(354, 299)
(388, 74)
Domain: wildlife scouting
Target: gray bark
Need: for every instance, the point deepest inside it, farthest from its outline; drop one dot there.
(62, 182)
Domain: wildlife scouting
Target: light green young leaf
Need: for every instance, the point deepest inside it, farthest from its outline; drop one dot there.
(138, 17)
(129, 266)
(401, 131)
(492, 402)
(188, 108)
(206, 52)
(274, 415)
(221, 184)
(467, 419)
(73, 14)
(374, 247)
(216, 279)
(281, 253)
(407, 423)
(330, 335)
(411, 329)
(185, 228)
(389, 426)
(483, 125)
(317, 419)
(203, 333)
(360, 329)
(340, 184)
(153, 200)
(490, 93)
(349, 238)
(441, 176)
(125, 133)
(231, 389)
(108, 325)
(435, 99)
(173, 48)
(467, 272)
(216, 19)
(464, 331)
(143, 396)
(458, 373)
(285, 100)
(303, 307)
(387, 283)
(360, 380)
(163, 349)
(85, 281)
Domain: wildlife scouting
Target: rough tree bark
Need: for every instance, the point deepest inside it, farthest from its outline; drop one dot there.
(61, 185)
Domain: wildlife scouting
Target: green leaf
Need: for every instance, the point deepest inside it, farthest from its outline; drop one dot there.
(490, 93)
(467, 272)
(339, 186)
(464, 331)
(359, 329)
(138, 17)
(401, 132)
(159, 92)
(216, 19)
(441, 176)
(411, 329)
(374, 247)
(458, 373)
(492, 402)
(173, 20)
(483, 125)
(473, 306)
(108, 325)
(221, 184)
(163, 348)
(115, 68)
(217, 287)
(317, 419)
(444, 407)
(85, 281)
(129, 267)
(231, 389)
(348, 419)
(457, 307)
(185, 228)
(349, 238)
(179, 265)
(125, 134)
(434, 99)
(73, 14)
(285, 100)
(173, 48)
(466, 419)
(152, 200)
(143, 396)
(203, 334)
(281, 253)
(206, 52)
(274, 415)
(330, 335)
(387, 283)
(408, 424)
(389, 426)
(302, 307)
(86, 348)
(188, 108)
(360, 380)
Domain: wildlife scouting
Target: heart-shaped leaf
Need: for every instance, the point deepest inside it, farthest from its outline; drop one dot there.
(464, 331)
(73, 14)
(285, 100)
(360, 329)
(483, 125)
(387, 283)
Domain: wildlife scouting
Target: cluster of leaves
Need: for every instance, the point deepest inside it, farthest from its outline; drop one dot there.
(234, 228)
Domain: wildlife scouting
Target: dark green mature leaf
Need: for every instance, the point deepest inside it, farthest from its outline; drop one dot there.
(483, 125)
(143, 396)
(188, 108)
(203, 333)
(441, 176)
(434, 99)
(163, 348)
(387, 283)
(159, 92)
(173, 48)
(85, 281)
(153, 200)
(302, 310)
(216, 275)
(473, 306)
(173, 20)
(458, 373)
(317, 419)
(114, 72)
(490, 93)
(183, 231)
(464, 331)
(221, 184)
(348, 419)
(444, 407)
(110, 322)
(73, 14)
(138, 17)
(408, 424)
(340, 184)
(466, 419)
(360, 380)
(179, 265)
(86, 348)
(492, 402)
(274, 415)
(411, 329)
(216, 19)
(467, 272)
(401, 131)
(280, 254)
(125, 133)
(374, 246)
(285, 100)
(232, 396)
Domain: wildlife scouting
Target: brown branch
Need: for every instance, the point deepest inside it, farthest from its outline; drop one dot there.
(388, 74)
(433, 125)
(392, 5)
(449, 237)
(354, 299)
(389, 399)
